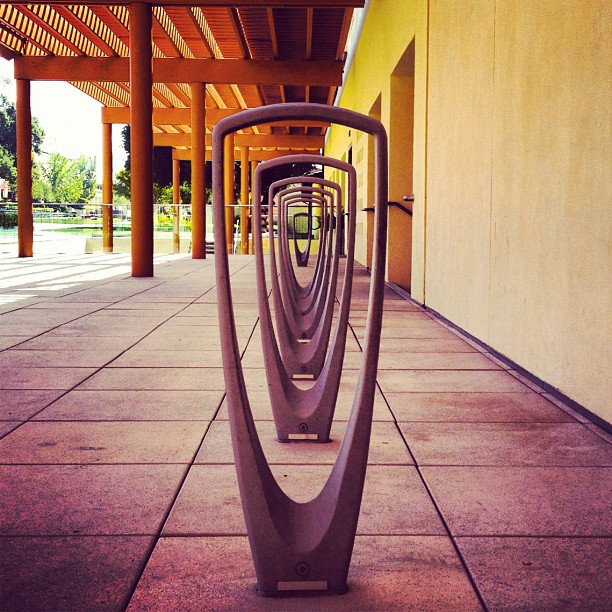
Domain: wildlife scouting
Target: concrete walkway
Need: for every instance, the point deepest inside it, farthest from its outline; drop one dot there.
(117, 489)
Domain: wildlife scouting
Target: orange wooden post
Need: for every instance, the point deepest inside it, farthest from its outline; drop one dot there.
(229, 192)
(107, 187)
(198, 170)
(244, 200)
(253, 164)
(176, 206)
(25, 216)
(141, 136)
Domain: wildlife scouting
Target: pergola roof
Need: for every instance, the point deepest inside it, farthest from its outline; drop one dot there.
(248, 52)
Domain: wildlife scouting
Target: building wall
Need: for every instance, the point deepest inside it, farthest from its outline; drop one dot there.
(511, 173)
(381, 84)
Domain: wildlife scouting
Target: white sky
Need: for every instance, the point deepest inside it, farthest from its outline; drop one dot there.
(70, 119)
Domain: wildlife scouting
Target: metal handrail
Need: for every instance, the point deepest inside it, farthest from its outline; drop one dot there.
(402, 208)
(394, 204)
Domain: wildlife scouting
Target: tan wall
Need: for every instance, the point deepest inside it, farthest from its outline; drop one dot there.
(510, 171)
(371, 89)
(518, 184)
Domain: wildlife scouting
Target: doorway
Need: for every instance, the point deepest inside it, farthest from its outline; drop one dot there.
(401, 139)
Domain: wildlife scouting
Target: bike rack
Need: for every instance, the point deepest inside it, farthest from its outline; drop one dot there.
(303, 350)
(302, 256)
(304, 414)
(297, 289)
(300, 547)
(307, 305)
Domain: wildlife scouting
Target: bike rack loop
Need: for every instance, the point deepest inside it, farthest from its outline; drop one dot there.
(299, 291)
(302, 256)
(309, 202)
(301, 547)
(303, 350)
(306, 158)
(306, 414)
(305, 298)
(300, 357)
(302, 299)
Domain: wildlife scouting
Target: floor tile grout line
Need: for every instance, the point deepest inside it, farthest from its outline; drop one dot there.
(88, 285)
(521, 536)
(446, 526)
(99, 369)
(77, 318)
(315, 463)
(192, 463)
(158, 534)
(437, 508)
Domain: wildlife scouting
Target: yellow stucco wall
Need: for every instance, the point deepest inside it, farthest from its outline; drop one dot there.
(518, 184)
(372, 89)
(510, 171)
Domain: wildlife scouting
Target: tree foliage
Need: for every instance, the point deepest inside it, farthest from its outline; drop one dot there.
(58, 179)
(68, 180)
(8, 138)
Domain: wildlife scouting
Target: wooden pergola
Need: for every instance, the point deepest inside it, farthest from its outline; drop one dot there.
(172, 69)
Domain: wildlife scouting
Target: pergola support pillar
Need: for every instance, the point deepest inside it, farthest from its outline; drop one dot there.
(25, 215)
(198, 170)
(176, 206)
(244, 200)
(107, 187)
(141, 137)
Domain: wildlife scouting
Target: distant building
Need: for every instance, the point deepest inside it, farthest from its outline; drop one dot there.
(6, 190)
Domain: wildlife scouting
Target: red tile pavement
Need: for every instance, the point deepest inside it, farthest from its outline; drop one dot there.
(117, 484)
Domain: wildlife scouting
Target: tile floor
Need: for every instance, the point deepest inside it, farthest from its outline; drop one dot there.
(117, 489)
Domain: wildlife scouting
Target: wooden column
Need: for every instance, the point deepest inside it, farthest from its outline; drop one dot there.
(107, 187)
(141, 136)
(198, 171)
(229, 192)
(25, 216)
(176, 206)
(244, 200)
(254, 222)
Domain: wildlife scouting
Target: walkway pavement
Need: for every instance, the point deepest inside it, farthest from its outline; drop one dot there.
(117, 488)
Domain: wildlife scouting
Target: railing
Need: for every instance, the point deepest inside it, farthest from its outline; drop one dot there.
(397, 205)
(82, 227)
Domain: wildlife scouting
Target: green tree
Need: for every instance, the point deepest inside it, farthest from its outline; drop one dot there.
(8, 138)
(122, 186)
(86, 168)
(162, 174)
(68, 180)
(185, 192)
(8, 168)
(162, 195)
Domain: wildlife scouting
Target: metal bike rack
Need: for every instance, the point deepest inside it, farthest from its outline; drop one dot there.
(302, 350)
(327, 198)
(300, 301)
(300, 197)
(304, 414)
(302, 256)
(300, 547)
(307, 305)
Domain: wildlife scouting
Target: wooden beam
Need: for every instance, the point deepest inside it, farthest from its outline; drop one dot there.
(245, 140)
(166, 116)
(207, 3)
(56, 68)
(254, 154)
(182, 116)
(183, 70)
